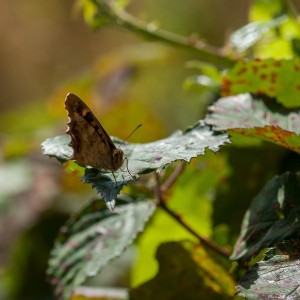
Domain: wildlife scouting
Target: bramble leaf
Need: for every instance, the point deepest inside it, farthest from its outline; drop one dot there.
(272, 217)
(142, 158)
(276, 276)
(246, 36)
(99, 13)
(268, 77)
(251, 117)
(58, 147)
(92, 238)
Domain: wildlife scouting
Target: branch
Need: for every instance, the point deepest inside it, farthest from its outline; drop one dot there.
(292, 10)
(206, 242)
(173, 177)
(203, 51)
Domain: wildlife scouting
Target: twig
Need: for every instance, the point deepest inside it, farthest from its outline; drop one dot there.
(173, 177)
(204, 51)
(206, 242)
(292, 9)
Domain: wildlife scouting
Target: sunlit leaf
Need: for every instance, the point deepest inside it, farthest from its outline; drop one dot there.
(205, 69)
(264, 10)
(251, 117)
(296, 46)
(277, 276)
(197, 207)
(58, 147)
(268, 77)
(210, 76)
(163, 229)
(190, 271)
(271, 218)
(193, 199)
(248, 35)
(142, 158)
(92, 238)
(89, 293)
(201, 81)
(93, 16)
(99, 13)
(277, 43)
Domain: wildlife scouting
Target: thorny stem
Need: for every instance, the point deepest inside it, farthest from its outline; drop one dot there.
(204, 52)
(161, 203)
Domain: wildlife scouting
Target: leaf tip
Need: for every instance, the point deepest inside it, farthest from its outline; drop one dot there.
(111, 204)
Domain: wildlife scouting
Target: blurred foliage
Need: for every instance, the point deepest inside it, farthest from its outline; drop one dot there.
(191, 273)
(128, 79)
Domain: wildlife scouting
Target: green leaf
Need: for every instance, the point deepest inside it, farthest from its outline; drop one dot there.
(276, 277)
(94, 15)
(269, 77)
(58, 147)
(191, 273)
(251, 117)
(266, 9)
(210, 77)
(100, 293)
(197, 186)
(202, 82)
(245, 37)
(92, 238)
(142, 158)
(98, 13)
(296, 46)
(272, 217)
(205, 69)
(105, 185)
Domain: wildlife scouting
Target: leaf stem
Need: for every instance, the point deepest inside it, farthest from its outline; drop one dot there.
(204, 51)
(161, 203)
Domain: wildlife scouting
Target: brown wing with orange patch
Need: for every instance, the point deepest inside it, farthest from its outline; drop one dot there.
(91, 144)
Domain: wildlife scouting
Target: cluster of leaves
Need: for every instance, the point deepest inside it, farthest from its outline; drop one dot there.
(259, 99)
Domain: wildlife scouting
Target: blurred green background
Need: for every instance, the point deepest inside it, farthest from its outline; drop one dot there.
(47, 51)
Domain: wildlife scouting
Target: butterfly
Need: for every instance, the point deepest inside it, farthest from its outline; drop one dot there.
(91, 144)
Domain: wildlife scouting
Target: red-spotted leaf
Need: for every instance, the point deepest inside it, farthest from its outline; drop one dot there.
(252, 117)
(274, 78)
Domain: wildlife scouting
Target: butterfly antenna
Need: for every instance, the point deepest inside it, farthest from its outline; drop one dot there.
(130, 134)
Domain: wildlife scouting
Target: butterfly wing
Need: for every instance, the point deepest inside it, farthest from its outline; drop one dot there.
(91, 144)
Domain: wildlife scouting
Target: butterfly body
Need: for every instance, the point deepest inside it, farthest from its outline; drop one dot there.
(91, 144)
